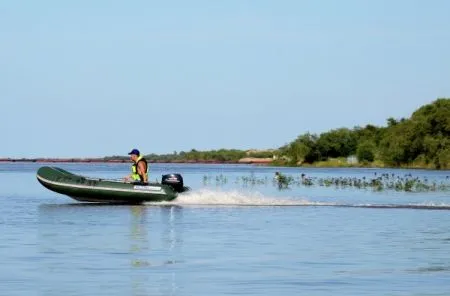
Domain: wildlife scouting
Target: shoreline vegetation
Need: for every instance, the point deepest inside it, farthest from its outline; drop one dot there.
(126, 160)
(419, 142)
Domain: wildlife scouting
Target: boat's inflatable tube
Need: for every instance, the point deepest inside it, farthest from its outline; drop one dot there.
(103, 190)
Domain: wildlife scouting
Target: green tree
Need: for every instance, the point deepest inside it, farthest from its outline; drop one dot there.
(302, 149)
(422, 136)
(366, 151)
(443, 158)
(336, 143)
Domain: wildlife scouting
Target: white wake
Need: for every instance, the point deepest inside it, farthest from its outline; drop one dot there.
(207, 197)
(217, 198)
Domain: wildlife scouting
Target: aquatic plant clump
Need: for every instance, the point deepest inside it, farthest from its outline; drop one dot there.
(406, 183)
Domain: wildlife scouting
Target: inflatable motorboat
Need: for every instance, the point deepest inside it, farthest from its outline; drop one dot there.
(87, 189)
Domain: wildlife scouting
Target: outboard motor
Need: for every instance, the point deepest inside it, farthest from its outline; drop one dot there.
(173, 180)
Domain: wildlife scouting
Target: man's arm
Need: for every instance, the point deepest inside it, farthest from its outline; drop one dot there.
(142, 170)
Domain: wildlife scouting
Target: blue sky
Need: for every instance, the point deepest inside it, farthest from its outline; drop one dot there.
(97, 78)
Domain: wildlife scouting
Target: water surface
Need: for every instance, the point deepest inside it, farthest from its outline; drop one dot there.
(225, 238)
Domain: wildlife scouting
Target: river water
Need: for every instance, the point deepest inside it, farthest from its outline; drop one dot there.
(235, 233)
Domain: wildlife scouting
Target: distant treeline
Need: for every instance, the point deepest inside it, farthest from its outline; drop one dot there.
(423, 140)
(222, 155)
(420, 141)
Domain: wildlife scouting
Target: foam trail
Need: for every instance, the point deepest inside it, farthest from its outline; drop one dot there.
(234, 198)
(215, 198)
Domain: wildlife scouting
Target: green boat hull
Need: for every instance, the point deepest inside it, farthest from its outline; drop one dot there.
(87, 189)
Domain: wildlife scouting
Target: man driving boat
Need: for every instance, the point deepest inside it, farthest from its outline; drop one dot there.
(139, 168)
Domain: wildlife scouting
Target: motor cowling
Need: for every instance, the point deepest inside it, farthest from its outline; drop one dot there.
(173, 180)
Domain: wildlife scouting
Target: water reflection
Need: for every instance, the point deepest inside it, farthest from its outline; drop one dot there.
(139, 248)
(138, 234)
(158, 256)
(170, 218)
(135, 247)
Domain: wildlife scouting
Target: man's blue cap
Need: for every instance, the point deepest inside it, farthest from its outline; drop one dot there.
(135, 152)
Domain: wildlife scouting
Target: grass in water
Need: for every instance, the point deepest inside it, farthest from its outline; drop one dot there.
(406, 183)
